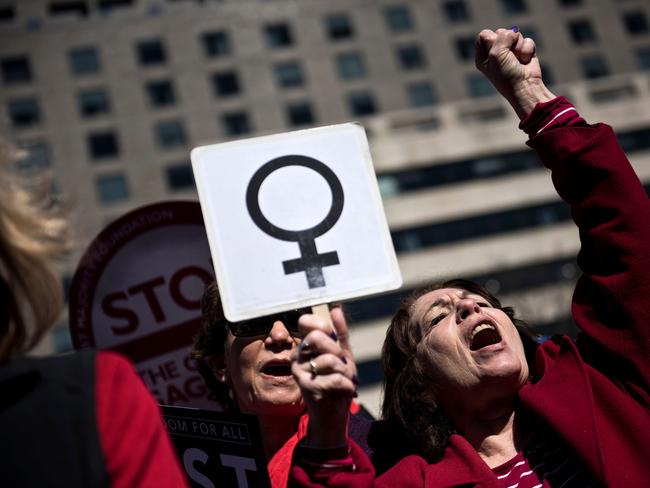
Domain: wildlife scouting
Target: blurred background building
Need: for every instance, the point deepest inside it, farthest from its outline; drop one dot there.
(111, 95)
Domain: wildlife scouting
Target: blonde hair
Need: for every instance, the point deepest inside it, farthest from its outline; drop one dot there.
(32, 234)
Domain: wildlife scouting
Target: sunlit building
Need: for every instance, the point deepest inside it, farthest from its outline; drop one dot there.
(111, 95)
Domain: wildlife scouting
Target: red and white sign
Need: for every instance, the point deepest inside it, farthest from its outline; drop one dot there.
(137, 291)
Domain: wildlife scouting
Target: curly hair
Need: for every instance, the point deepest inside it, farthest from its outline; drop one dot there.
(210, 342)
(411, 416)
(32, 235)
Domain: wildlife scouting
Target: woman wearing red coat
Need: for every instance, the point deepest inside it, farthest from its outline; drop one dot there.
(469, 399)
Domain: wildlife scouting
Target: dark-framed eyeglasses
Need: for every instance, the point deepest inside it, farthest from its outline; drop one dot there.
(263, 325)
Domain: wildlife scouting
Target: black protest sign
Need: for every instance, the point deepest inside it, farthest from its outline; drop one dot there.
(217, 448)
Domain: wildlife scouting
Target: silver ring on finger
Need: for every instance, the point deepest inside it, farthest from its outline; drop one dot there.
(313, 369)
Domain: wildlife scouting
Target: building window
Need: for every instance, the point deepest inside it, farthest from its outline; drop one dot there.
(581, 31)
(465, 48)
(24, 112)
(112, 188)
(93, 102)
(106, 6)
(410, 57)
(594, 66)
(84, 61)
(69, 8)
(215, 44)
(36, 157)
(103, 145)
(179, 177)
(169, 134)
(151, 52)
(398, 18)
(570, 3)
(225, 84)
(300, 114)
(530, 31)
(236, 123)
(430, 235)
(421, 94)
(547, 75)
(350, 66)
(635, 23)
(7, 13)
(643, 57)
(278, 35)
(339, 26)
(16, 69)
(479, 86)
(456, 11)
(161, 93)
(361, 104)
(514, 6)
(288, 74)
(446, 173)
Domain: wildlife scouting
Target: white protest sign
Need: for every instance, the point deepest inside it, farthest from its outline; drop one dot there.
(294, 220)
(137, 291)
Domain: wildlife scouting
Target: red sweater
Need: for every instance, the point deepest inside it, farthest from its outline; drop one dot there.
(137, 450)
(594, 395)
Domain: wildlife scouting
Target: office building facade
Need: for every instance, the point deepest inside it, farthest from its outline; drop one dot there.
(111, 95)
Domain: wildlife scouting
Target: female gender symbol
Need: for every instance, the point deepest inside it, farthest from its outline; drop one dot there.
(311, 262)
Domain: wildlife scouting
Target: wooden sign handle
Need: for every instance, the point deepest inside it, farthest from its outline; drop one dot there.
(322, 310)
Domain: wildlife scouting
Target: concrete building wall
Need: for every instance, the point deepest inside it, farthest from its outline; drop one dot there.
(458, 125)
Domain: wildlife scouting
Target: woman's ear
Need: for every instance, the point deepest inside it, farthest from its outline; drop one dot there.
(217, 364)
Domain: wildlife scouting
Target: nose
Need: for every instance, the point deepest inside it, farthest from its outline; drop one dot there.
(466, 307)
(278, 334)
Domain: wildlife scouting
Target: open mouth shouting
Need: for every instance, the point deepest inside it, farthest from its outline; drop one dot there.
(482, 335)
(277, 368)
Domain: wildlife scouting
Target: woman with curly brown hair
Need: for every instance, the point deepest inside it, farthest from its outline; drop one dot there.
(469, 399)
(412, 417)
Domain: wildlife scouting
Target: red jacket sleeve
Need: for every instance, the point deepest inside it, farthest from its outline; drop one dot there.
(612, 212)
(355, 472)
(136, 447)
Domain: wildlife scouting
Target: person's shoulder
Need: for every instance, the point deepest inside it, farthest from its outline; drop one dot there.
(555, 345)
(115, 372)
(108, 360)
(67, 368)
(61, 380)
(412, 467)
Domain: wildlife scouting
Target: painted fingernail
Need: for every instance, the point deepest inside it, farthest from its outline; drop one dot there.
(514, 28)
(343, 360)
(355, 379)
(304, 348)
(334, 336)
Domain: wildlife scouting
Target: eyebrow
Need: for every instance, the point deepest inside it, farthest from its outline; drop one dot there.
(464, 294)
(437, 303)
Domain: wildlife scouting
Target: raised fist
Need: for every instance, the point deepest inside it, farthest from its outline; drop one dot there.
(509, 61)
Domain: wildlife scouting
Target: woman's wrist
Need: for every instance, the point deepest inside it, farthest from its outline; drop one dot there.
(527, 95)
(329, 432)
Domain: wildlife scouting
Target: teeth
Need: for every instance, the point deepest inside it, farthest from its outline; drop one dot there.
(481, 327)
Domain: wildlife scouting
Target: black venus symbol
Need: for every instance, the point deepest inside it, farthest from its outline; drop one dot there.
(311, 262)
